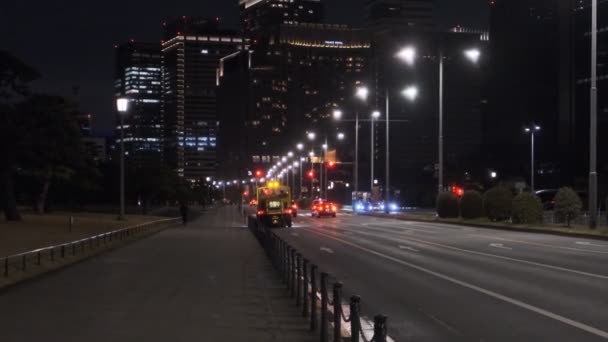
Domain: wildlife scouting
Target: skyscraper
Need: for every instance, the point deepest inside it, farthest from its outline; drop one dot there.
(191, 53)
(391, 14)
(138, 78)
(260, 17)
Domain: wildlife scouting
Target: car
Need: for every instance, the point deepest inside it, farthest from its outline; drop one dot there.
(322, 208)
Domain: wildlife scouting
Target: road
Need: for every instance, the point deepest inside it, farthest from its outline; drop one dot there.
(441, 282)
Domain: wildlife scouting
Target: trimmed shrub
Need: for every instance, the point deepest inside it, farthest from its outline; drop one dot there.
(447, 205)
(527, 209)
(471, 205)
(497, 203)
(568, 205)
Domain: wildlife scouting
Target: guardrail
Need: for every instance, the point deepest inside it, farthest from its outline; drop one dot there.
(309, 287)
(23, 261)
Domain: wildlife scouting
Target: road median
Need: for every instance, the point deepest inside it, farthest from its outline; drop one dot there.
(582, 232)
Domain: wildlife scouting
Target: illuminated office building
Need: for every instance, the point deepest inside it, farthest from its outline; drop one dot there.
(191, 52)
(261, 17)
(138, 76)
(391, 14)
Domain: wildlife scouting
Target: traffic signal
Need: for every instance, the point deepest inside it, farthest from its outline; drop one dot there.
(311, 174)
(259, 173)
(458, 191)
(331, 164)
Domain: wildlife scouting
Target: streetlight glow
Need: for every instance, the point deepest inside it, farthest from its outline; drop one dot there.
(375, 114)
(411, 93)
(122, 105)
(362, 93)
(473, 55)
(300, 146)
(408, 55)
(337, 114)
(290, 154)
(312, 136)
(341, 136)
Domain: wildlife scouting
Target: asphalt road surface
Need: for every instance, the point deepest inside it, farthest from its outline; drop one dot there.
(441, 282)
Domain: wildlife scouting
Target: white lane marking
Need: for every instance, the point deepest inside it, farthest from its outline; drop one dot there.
(538, 244)
(327, 250)
(521, 304)
(585, 243)
(408, 229)
(409, 248)
(538, 264)
(500, 245)
(295, 234)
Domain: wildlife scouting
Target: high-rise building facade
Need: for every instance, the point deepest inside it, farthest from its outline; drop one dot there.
(260, 17)
(192, 50)
(391, 14)
(546, 82)
(138, 76)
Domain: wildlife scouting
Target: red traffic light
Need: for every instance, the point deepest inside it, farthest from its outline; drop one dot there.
(311, 174)
(259, 173)
(458, 191)
(331, 164)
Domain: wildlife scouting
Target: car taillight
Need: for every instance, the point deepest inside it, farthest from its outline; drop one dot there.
(333, 208)
(288, 211)
(313, 207)
(260, 212)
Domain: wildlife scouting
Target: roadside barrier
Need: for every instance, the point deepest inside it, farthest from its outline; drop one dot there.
(309, 288)
(22, 262)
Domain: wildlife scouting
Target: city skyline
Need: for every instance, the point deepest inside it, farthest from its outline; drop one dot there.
(86, 70)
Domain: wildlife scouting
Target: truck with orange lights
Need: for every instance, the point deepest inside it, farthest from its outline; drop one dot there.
(274, 206)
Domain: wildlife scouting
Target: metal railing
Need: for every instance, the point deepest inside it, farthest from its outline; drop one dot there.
(22, 262)
(309, 287)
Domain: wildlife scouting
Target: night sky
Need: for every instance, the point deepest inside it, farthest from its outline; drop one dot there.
(71, 42)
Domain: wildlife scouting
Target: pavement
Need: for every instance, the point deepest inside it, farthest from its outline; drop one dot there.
(442, 282)
(208, 281)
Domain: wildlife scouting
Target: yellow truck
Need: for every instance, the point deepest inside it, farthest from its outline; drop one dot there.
(274, 205)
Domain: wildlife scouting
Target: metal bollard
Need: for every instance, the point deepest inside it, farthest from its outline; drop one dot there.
(305, 292)
(313, 297)
(355, 307)
(288, 259)
(293, 272)
(337, 312)
(285, 257)
(324, 301)
(380, 328)
(298, 278)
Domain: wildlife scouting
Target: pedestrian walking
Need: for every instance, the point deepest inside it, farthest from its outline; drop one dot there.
(183, 209)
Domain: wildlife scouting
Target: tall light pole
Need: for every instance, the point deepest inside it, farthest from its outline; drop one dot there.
(593, 122)
(532, 129)
(362, 93)
(375, 116)
(122, 104)
(300, 147)
(409, 56)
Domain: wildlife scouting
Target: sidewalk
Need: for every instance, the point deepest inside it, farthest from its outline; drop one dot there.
(209, 281)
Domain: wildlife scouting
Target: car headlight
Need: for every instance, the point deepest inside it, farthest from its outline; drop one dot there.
(394, 207)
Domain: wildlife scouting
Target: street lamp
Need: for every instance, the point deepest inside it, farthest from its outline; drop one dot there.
(593, 121)
(337, 114)
(408, 54)
(312, 136)
(375, 115)
(122, 105)
(362, 93)
(532, 129)
(410, 93)
(341, 136)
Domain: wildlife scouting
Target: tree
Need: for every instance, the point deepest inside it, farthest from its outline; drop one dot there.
(527, 209)
(471, 205)
(54, 148)
(14, 78)
(447, 205)
(497, 203)
(568, 205)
